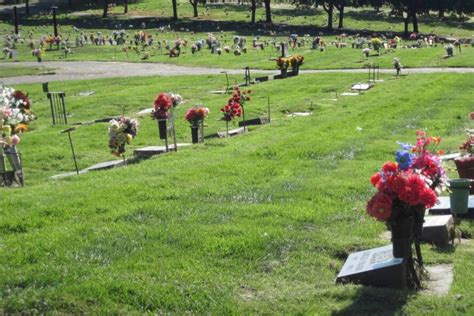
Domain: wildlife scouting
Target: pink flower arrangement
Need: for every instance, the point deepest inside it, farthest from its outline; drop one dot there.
(414, 181)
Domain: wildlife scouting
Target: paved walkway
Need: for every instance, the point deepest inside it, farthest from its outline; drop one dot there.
(81, 70)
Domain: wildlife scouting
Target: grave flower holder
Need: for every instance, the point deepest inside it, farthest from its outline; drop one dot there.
(195, 134)
(16, 170)
(465, 167)
(404, 228)
(459, 197)
(162, 128)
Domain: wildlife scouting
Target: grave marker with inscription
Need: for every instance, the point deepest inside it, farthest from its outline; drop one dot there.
(376, 267)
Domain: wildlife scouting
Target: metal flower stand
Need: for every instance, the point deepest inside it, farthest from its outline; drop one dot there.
(9, 177)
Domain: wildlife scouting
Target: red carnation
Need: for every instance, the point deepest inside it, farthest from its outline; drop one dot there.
(428, 197)
(390, 167)
(411, 192)
(380, 206)
(375, 179)
(397, 184)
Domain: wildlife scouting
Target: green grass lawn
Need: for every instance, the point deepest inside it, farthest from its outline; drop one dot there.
(14, 71)
(259, 223)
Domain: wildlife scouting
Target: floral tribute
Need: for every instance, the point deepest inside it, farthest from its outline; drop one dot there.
(468, 145)
(196, 115)
(163, 103)
(295, 62)
(234, 105)
(15, 115)
(121, 132)
(412, 182)
(240, 96)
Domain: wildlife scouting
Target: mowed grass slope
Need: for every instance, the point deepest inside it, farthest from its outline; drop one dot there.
(259, 223)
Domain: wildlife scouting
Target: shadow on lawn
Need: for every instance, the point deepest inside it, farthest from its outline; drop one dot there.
(376, 301)
(428, 20)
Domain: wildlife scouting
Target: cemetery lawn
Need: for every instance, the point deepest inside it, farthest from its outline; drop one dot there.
(331, 58)
(259, 223)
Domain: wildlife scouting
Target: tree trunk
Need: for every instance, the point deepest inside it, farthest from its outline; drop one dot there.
(175, 10)
(414, 18)
(106, 8)
(268, 12)
(195, 8)
(125, 9)
(253, 8)
(340, 8)
(329, 8)
(441, 9)
(27, 7)
(406, 21)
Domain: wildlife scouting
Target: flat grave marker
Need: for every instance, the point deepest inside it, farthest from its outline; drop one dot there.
(301, 114)
(107, 165)
(232, 132)
(450, 156)
(149, 151)
(376, 267)
(86, 93)
(361, 86)
(256, 121)
(444, 206)
(436, 229)
(350, 94)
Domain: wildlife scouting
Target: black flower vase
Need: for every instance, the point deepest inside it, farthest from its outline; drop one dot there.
(402, 229)
(296, 70)
(162, 128)
(195, 134)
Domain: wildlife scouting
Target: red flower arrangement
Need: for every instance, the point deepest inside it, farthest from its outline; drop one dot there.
(233, 107)
(240, 96)
(411, 183)
(162, 104)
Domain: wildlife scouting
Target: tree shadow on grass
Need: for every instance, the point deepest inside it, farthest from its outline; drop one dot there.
(376, 301)
(428, 20)
(446, 249)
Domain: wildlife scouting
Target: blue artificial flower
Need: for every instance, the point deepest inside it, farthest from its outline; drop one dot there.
(404, 159)
(405, 146)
